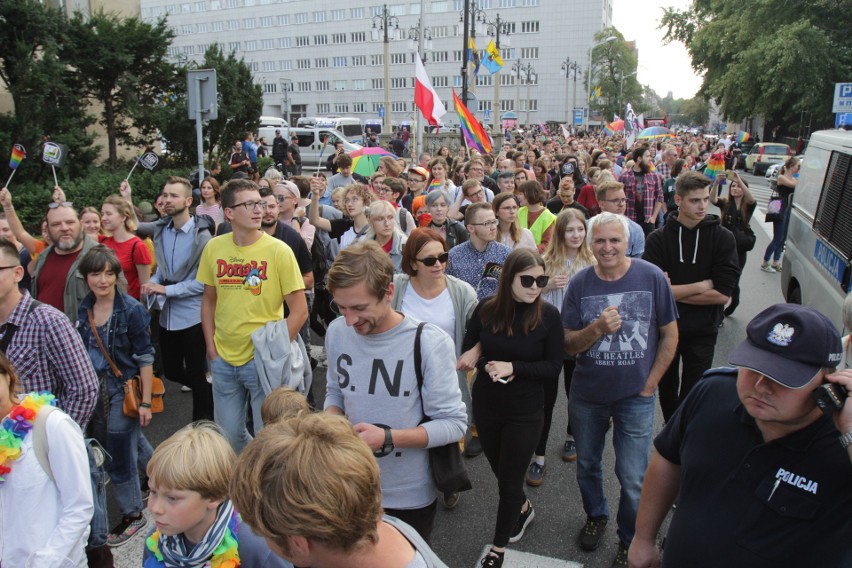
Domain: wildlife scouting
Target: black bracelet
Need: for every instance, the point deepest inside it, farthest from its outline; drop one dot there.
(144, 405)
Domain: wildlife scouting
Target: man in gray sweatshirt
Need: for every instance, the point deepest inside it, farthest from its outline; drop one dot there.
(371, 379)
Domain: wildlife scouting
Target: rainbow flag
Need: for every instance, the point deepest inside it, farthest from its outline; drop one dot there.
(18, 155)
(742, 136)
(474, 134)
(434, 185)
(715, 164)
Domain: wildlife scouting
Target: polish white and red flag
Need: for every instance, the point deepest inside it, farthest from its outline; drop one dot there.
(425, 97)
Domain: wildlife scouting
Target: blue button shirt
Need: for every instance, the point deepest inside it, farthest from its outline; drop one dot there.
(184, 297)
(468, 264)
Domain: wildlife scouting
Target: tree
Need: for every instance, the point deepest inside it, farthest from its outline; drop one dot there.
(766, 57)
(45, 101)
(121, 64)
(612, 61)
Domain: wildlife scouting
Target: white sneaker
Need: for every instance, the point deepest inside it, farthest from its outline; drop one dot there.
(185, 388)
(766, 267)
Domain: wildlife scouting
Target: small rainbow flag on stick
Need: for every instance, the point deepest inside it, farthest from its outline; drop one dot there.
(18, 155)
(742, 136)
(474, 135)
(715, 164)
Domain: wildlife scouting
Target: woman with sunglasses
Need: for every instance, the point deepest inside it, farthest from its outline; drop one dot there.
(509, 232)
(424, 292)
(515, 341)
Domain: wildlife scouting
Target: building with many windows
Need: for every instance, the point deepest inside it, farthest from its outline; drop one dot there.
(319, 58)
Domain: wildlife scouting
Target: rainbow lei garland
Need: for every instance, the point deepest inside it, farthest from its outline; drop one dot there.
(17, 425)
(226, 555)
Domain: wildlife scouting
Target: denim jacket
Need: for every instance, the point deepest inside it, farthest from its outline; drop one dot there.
(128, 341)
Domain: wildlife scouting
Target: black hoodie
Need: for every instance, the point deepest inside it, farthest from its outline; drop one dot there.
(707, 251)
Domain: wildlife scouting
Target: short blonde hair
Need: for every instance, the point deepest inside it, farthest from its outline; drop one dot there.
(312, 477)
(195, 458)
(124, 209)
(281, 404)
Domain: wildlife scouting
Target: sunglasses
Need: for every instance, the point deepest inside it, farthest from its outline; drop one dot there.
(431, 260)
(527, 281)
(54, 204)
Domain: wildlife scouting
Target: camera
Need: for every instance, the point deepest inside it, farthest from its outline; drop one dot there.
(568, 169)
(830, 396)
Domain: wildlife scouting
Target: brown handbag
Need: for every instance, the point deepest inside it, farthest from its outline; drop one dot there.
(132, 386)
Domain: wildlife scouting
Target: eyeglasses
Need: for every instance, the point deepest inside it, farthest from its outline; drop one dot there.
(17, 265)
(489, 224)
(527, 281)
(431, 260)
(475, 170)
(281, 198)
(251, 205)
(617, 201)
(55, 204)
(349, 200)
(477, 194)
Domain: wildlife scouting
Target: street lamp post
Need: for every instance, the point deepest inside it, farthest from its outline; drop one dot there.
(589, 79)
(286, 87)
(423, 37)
(621, 89)
(570, 66)
(497, 28)
(529, 72)
(531, 76)
(472, 18)
(382, 22)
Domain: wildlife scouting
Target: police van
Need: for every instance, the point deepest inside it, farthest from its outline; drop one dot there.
(817, 264)
(349, 126)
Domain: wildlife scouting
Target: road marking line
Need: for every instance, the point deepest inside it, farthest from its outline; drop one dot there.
(518, 559)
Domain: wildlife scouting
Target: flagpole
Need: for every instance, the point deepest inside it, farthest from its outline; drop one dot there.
(8, 181)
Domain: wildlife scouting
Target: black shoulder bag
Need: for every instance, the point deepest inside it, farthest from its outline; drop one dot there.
(448, 469)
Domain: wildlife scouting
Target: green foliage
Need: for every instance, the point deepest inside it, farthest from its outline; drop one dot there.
(30, 199)
(264, 164)
(121, 64)
(693, 112)
(774, 58)
(612, 61)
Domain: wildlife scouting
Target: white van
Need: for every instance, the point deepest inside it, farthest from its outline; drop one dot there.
(817, 263)
(349, 126)
(311, 144)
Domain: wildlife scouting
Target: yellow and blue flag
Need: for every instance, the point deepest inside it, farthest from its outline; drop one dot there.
(493, 62)
(473, 55)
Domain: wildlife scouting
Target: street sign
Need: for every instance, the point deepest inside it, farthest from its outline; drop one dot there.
(487, 114)
(842, 98)
(843, 120)
(381, 112)
(578, 116)
(203, 95)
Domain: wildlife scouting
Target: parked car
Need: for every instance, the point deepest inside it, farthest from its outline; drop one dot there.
(773, 170)
(762, 155)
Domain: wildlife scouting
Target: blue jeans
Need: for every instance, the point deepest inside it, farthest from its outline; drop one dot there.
(632, 433)
(129, 451)
(779, 236)
(232, 388)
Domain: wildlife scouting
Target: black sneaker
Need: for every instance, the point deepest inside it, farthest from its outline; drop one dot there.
(524, 520)
(125, 530)
(593, 530)
(535, 474)
(450, 500)
(569, 451)
(473, 448)
(620, 556)
(493, 559)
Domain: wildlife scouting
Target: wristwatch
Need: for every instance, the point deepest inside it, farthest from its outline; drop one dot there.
(846, 439)
(387, 447)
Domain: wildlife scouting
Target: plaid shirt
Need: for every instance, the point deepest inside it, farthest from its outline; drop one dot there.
(653, 193)
(48, 354)
(664, 171)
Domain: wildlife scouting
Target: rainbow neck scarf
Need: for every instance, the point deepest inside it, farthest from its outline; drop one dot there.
(17, 425)
(226, 555)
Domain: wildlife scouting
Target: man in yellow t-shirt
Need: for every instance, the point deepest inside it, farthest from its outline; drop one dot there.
(248, 277)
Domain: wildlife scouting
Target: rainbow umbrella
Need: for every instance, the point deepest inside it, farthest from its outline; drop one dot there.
(365, 161)
(655, 132)
(613, 127)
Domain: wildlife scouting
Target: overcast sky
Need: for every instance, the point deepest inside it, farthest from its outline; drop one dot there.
(664, 67)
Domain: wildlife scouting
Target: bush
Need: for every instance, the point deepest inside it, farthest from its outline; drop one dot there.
(31, 199)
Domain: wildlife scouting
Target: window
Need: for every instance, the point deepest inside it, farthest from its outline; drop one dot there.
(268, 66)
(186, 8)
(254, 66)
(531, 105)
(267, 44)
(248, 2)
(439, 31)
(440, 81)
(201, 6)
(457, 56)
(267, 22)
(286, 64)
(186, 30)
(378, 83)
(356, 13)
(322, 85)
(338, 15)
(320, 40)
(215, 4)
(218, 26)
(233, 4)
(321, 62)
(398, 58)
(507, 104)
(338, 38)
(529, 27)
(399, 106)
(284, 20)
(340, 85)
(359, 107)
(359, 37)
(233, 46)
(507, 3)
(303, 41)
(529, 53)
(323, 108)
(483, 80)
(303, 64)
(399, 82)
(835, 204)
(319, 16)
(440, 56)
(300, 18)
(530, 2)
(284, 42)
(377, 59)
(202, 48)
(415, 9)
(341, 107)
(338, 61)
(251, 45)
(377, 107)
(507, 80)
(304, 86)
(270, 88)
(359, 60)
(484, 105)
(397, 10)
(201, 28)
(249, 23)
(439, 7)
(233, 24)
(507, 53)
(359, 84)
(457, 81)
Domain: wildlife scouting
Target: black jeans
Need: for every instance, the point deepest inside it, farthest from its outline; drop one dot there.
(735, 295)
(696, 352)
(508, 441)
(422, 520)
(185, 361)
(551, 391)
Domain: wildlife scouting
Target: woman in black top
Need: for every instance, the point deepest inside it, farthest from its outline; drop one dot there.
(514, 339)
(736, 211)
(788, 177)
